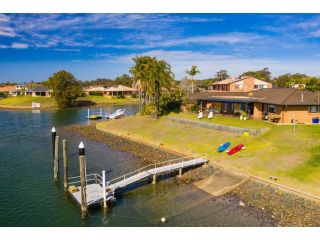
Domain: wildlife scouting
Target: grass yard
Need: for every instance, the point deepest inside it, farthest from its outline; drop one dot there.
(25, 102)
(294, 157)
(48, 102)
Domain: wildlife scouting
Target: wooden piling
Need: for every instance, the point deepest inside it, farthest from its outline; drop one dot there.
(65, 164)
(84, 208)
(180, 172)
(56, 161)
(154, 179)
(53, 139)
(104, 189)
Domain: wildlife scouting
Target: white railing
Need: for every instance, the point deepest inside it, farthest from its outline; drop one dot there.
(94, 177)
(98, 179)
(156, 165)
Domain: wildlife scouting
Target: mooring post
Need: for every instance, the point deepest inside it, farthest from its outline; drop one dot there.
(180, 172)
(88, 113)
(65, 164)
(82, 160)
(56, 161)
(53, 139)
(104, 189)
(154, 179)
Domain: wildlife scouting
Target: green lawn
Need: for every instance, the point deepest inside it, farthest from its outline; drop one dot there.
(25, 101)
(48, 102)
(294, 157)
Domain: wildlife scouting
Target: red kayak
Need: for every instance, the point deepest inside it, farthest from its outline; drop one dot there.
(236, 149)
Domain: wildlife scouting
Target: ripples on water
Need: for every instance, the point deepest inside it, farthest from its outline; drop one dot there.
(28, 196)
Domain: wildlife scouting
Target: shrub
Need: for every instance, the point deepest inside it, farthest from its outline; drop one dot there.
(189, 106)
(95, 93)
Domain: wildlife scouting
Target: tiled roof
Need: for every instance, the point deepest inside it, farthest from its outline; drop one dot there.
(277, 96)
(7, 88)
(120, 88)
(39, 89)
(228, 81)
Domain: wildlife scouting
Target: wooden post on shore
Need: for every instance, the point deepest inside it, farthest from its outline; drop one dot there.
(53, 139)
(104, 189)
(82, 160)
(56, 161)
(154, 179)
(180, 172)
(65, 164)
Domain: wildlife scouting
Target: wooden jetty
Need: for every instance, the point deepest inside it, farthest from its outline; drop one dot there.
(90, 190)
(100, 191)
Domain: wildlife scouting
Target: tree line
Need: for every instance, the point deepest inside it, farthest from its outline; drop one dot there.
(158, 90)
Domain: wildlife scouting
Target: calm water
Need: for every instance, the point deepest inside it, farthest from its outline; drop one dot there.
(28, 196)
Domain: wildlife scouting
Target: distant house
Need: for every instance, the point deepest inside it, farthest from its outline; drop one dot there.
(298, 85)
(39, 91)
(116, 90)
(287, 104)
(94, 89)
(119, 90)
(242, 84)
(10, 91)
(22, 87)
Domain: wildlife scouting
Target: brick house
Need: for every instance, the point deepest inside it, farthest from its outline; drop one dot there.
(242, 84)
(286, 103)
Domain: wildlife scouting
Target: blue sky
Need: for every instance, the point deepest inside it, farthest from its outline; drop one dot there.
(33, 46)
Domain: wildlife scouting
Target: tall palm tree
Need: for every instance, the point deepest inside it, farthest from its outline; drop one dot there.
(192, 72)
(152, 75)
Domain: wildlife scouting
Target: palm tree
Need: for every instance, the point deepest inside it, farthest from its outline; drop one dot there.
(152, 76)
(192, 72)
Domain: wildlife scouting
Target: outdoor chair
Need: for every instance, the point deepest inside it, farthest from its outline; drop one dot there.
(200, 115)
(210, 115)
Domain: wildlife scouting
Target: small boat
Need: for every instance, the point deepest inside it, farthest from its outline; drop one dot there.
(236, 149)
(94, 117)
(224, 146)
(117, 114)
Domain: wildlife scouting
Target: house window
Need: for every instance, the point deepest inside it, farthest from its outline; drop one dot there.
(258, 86)
(239, 86)
(314, 109)
(271, 108)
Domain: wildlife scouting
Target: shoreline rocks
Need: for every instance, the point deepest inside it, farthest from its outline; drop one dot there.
(288, 209)
(285, 209)
(146, 154)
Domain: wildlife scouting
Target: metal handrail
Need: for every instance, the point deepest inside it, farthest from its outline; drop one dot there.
(154, 165)
(90, 177)
(98, 177)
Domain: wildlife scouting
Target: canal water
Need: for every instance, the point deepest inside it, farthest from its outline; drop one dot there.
(28, 196)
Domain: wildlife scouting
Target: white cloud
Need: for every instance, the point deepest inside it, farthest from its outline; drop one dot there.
(228, 38)
(19, 45)
(210, 63)
(67, 50)
(4, 18)
(15, 45)
(7, 31)
(315, 34)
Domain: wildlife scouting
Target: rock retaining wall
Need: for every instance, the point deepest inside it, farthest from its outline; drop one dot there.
(215, 126)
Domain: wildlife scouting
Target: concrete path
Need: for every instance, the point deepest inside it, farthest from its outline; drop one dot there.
(221, 182)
